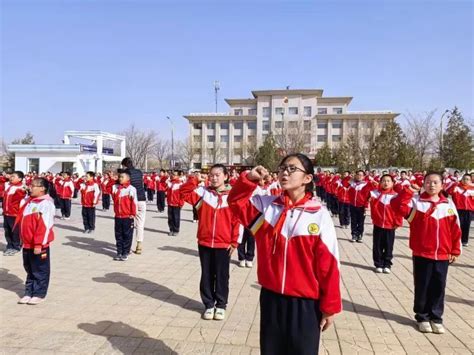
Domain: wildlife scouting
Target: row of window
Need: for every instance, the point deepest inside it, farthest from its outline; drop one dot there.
(307, 111)
(225, 125)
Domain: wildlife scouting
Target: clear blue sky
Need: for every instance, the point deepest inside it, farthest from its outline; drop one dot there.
(105, 64)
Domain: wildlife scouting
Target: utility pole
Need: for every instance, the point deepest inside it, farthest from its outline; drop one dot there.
(172, 142)
(217, 87)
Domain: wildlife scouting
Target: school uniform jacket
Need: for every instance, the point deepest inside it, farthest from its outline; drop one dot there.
(14, 193)
(359, 193)
(297, 247)
(342, 191)
(90, 194)
(66, 189)
(381, 212)
(106, 186)
(173, 196)
(434, 227)
(125, 200)
(463, 196)
(36, 220)
(160, 183)
(218, 227)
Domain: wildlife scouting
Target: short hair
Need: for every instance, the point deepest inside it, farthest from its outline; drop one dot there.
(127, 162)
(43, 182)
(360, 171)
(219, 166)
(90, 173)
(20, 174)
(68, 173)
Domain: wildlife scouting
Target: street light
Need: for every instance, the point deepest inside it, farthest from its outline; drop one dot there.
(172, 142)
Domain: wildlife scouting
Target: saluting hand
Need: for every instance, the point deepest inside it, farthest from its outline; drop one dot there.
(257, 173)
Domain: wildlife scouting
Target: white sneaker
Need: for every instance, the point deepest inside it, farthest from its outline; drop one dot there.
(437, 328)
(35, 300)
(425, 327)
(249, 264)
(219, 314)
(386, 270)
(242, 263)
(208, 314)
(67, 218)
(378, 270)
(24, 300)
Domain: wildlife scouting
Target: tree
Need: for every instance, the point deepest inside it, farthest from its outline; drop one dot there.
(10, 156)
(186, 153)
(250, 151)
(140, 145)
(457, 150)
(161, 151)
(391, 147)
(268, 154)
(341, 158)
(291, 137)
(324, 156)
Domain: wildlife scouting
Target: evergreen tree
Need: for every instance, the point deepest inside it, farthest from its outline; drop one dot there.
(457, 150)
(323, 156)
(268, 154)
(391, 147)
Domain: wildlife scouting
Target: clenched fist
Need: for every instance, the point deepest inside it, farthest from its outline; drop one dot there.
(257, 173)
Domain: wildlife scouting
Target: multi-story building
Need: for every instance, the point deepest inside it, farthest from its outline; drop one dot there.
(304, 115)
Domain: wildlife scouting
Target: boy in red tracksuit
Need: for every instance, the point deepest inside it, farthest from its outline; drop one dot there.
(342, 194)
(217, 235)
(359, 191)
(3, 181)
(463, 198)
(298, 257)
(385, 221)
(106, 188)
(175, 203)
(125, 200)
(35, 222)
(150, 186)
(66, 191)
(14, 194)
(90, 194)
(435, 241)
(160, 187)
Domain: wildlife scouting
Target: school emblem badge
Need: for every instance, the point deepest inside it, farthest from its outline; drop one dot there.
(313, 229)
(450, 211)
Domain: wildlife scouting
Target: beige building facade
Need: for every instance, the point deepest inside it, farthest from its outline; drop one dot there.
(290, 115)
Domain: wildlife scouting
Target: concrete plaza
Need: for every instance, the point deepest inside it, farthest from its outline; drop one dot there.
(151, 303)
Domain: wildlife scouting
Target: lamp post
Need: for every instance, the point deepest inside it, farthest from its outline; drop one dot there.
(441, 134)
(172, 142)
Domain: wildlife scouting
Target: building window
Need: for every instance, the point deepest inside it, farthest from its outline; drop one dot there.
(322, 138)
(224, 125)
(293, 124)
(293, 110)
(337, 124)
(197, 125)
(238, 112)
(224, 139)
(279, 124)
(337, 110)
(266, 111)
(279, 110)
(307, 125)
(265, 125)
(211, 126)
(252, 125)
(238, 125)
(307, 111)
(211, 139)
(237, 139)
(336, 138)
(322, 111)
(322, 125)
(197, 138)
(252, 111)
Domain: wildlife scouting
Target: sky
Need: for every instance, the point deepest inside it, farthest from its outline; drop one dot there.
(104, 65)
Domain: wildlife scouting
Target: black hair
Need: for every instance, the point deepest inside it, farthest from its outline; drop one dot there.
(127, 162)
(68, 173)
(162, 171)
(90, 173)
(403, 171)
(429, 173)
(43, 182)
(456, 171)
(385, 175)
(348, 171)
(360, 171)
(307, 165)
(466, 174)
(19, 173)
(220, 166)
(123, 171)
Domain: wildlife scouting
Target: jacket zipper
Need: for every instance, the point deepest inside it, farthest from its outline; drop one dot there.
(437, 236)
(383, 221)
(284, 265)
(214, 224)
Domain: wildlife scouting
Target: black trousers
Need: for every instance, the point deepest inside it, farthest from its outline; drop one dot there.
(123, 235)
(357, 221)
(323, 194)
(160, 200)
(65, 207)
(12, 235)
(288, 325)
(246, 249)
(333, 204)
(382, 251)
(214, 286)
(344, 214)
(88, 218)
(150, 194)
(430, 284)
(195, 214)
(74, 195)
(174, 218)
(105, 201)
(465, 218)
(38, 270)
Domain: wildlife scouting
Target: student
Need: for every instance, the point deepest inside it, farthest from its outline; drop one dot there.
(463, 198)
(36, 220)
(125, 200)
(385, 221)
(160, 187)
(106, 190)
(90, 194)
(14, 193)
(342, 194)
(66, 192)
(435, 241)
(298, 263)
(217, 238)
(175, 203)
(359, 195)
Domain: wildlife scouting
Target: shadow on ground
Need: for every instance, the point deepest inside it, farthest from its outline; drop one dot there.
(92, 245)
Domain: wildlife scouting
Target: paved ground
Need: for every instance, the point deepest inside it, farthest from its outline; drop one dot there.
(151, 304)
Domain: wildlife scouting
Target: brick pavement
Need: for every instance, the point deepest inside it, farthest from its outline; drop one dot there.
(151, 303)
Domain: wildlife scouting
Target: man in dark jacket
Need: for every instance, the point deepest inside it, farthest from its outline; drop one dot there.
(136, 180)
